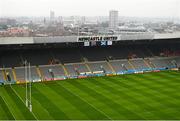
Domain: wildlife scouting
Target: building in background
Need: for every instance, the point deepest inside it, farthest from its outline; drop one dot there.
(52, 16)
(113, 19)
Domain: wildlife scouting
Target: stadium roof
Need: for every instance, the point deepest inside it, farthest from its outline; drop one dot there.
(73, 39)
(167, 35)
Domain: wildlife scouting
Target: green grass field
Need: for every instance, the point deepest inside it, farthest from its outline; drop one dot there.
(138, 96)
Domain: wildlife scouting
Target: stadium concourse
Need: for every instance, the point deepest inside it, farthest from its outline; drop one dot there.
(56, 59)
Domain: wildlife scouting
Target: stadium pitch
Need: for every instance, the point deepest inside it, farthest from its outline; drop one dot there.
(152, 96)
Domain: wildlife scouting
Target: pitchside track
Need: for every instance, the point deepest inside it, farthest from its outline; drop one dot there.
(137, 96)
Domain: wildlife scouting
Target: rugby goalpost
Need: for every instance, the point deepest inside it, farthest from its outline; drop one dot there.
(28, 81)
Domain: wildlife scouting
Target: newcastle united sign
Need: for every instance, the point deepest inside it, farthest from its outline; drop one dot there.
(97, 38)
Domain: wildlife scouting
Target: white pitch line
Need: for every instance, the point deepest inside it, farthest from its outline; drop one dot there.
(86, 102)
(8, 107)
(22, 101)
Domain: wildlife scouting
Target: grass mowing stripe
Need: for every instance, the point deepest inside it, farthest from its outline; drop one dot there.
(174, 73)
(5, 114)
(155, 98)
(102, 113)
(81, 105)
(120, 109)
(129, 98)
(168, 100)
(93, 101)
(25, 114)
(53, 110)
(170, 85)
(171, 101)
(72, 112)
(11, 105)
(157, 90)
(16, 106)
(167, 89)
(40, 112)
(168, 77)
(164, 82)
(144, 81)
(160, 82)
(171, 72)
(149, 92)
(19, 103)
(151, 99)
(156, 94)
(22, 100)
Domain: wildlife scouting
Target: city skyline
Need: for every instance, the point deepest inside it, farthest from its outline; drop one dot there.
(134, 8)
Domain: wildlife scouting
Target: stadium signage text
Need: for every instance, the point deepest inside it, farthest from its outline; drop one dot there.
(97, 38)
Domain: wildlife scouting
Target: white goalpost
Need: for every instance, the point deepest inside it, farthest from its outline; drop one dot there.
(28, 81)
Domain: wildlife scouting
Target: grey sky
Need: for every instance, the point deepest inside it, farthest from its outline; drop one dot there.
(140, 8)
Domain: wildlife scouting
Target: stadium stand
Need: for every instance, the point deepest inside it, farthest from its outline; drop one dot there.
(161, 62)
(148, 62)
(121, 65)
(76, 69)
(139, 64)
(59, 61)
(178, 61)
(9, 75)
(94, 53)
(99, 66)
(10, 59)
(36, 57)
(117, 52)
(52, 72)
(1, 76)
(69, 55)
(136, 52)
(20, 74)
(71, 70)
